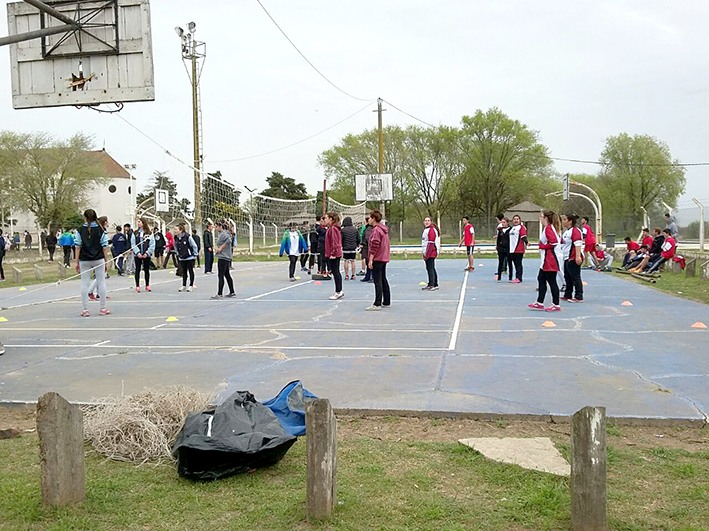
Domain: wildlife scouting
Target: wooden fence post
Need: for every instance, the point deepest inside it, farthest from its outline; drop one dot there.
(38, 273)
(61, 450)
(588, 470)
(321, 430)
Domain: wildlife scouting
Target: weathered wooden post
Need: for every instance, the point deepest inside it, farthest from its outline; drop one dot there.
(38, 273)
(588, 470)
(16, 275)
(691, 268)
(406, 254)
(321, 430)
(61, 270)
(61, 450)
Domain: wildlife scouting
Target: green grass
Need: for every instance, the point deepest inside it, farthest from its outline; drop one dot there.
(383, 485)
(678, 284)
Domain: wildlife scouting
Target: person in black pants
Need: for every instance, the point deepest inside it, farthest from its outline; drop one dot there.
(377, 259)
(430, 246)
(224, 257)
(208, 250)
(322, 231)
(142, 243)
(313, 246)
(333, 251)
(51, 242)
(198, 242)
(572, 249)
(2, 255)
(366, 233)
(503, 247)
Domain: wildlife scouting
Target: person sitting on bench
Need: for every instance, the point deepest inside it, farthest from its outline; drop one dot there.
(667, 253)
(633, 248)
(601, 258)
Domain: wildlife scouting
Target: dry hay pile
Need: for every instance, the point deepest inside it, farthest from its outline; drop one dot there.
(141, 427)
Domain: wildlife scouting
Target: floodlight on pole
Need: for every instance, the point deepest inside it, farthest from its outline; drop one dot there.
(180, 32)
(191, 26)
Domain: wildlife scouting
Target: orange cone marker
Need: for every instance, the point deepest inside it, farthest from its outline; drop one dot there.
(549, 324)
(584, 283)
(699, 324)
(318, 283)
(626, 303)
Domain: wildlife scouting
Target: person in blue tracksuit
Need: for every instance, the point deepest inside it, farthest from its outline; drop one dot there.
(293, 244)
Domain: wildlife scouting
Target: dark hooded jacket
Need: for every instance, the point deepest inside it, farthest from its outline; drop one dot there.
(350, 236)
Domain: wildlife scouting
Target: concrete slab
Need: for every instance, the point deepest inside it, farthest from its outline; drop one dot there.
(534, 453)
(478, 350)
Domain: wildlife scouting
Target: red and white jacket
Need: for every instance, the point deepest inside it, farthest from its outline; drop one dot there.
(518, 239)
(430, 242)
(668, 248)
(548, 244)
(569, 246)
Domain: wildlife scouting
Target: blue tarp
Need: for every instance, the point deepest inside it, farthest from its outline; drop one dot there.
(289, 407)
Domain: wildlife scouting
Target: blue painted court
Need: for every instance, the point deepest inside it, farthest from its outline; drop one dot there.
(473, 346)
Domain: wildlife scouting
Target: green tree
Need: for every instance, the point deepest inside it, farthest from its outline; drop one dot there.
(48, 177)
(161, 180)
(504, 163)
(637, 171)
(282, 187)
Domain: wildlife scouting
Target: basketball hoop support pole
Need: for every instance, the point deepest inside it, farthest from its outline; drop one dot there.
(382, 205)
(70, 25)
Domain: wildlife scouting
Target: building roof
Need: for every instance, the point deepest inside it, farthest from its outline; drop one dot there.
(112, 168)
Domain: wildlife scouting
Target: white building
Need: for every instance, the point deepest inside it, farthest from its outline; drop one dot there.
(114, 198)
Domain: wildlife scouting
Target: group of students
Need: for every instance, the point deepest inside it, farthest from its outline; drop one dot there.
(652, 251)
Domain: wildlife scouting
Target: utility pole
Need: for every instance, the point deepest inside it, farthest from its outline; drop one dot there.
(194, 51)
(382, 205)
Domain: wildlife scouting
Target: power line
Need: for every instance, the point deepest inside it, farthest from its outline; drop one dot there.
(294, 143)
(409, 115)
(306, 59)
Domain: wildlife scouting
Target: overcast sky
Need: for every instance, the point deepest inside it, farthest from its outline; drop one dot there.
(577, 72)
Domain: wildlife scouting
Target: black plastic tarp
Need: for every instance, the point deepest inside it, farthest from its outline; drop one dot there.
(237, 436)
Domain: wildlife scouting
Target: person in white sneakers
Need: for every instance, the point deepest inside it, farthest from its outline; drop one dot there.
(186, 249)
(377, 259)
(91, 244)
(572, 248)
(333, 251)
(549, 268)
(293, 245)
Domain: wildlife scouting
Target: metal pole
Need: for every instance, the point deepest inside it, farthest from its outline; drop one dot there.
(251, 234)
(701, 224)
(575, 194)
(382, 205)
(438, 220)
(646, 218)
(36, 34)
(39, 239)
(53, 12)
(263, 229)
(401, 232)
(275, 232)
(195, 131)
(599, 219)
(324, 196)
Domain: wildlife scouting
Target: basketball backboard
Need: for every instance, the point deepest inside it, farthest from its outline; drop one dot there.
(108, 60)
(375, 187)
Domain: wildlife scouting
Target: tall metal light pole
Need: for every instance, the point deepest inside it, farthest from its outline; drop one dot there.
(194, 51)
(382, 206)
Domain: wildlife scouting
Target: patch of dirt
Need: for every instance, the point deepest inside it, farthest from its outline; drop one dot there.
(450, 430)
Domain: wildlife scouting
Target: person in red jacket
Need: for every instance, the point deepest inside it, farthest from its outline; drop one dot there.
(518, 244)
(667, 253)
(333, 251)
(589, 238)
(633, 248)
(377, 259)
(169, 250)
(430, 246)
(469, 239)
(549, 269)
(646, 238)
(572, 243)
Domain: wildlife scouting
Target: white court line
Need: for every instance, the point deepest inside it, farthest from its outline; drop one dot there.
(223, 301)
(525, 330)
(229, 347)
(278, 290)
(459, 313)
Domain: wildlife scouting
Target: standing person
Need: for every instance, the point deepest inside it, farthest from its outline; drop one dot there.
(572, 249)
(589, 239)
(499, 218)
(208, 239)
(129, 262)
(103, 225)
(66, 241)
(197, 242)
(469, 240)
(2, 255)
(28, 241)
(293, 244)
(364, 243)
(169, 250)
(43, 239)
(51, 244)
(304, 256)
(430, 247)
(91, 244)
(159, 246)
(142, 244)
(362, 252)
(119, 244)
(186, 251)
(333, 251)
(377, 258)
(503, 248)
(518, 245)
(350, 243)
(313, 247)
(224, 257)
(672, 226)
(549, 268)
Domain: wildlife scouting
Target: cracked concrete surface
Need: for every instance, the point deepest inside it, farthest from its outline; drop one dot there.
(638, 361)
